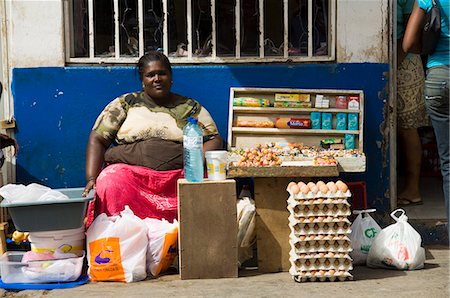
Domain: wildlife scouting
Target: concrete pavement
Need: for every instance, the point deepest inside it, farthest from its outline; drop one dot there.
(432, 281)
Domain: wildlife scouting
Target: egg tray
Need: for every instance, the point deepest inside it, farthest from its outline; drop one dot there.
(318, 227)
(321, 275)
(333, 210)
(322, 246)
(306, 264)
(318, 201)
(307, 219)
(318, 237)
(326, 254)
(319, 194)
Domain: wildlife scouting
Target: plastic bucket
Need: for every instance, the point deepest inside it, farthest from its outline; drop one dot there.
(216, 162)
(65, 240)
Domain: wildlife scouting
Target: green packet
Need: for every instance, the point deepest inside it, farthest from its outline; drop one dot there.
(250, 102)
(330, 141)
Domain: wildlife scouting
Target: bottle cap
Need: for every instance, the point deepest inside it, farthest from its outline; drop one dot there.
(192, 120)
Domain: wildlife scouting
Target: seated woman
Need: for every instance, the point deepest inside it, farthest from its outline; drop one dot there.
(146, 129)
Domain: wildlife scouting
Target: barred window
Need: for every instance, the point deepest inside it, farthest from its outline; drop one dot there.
(200, 31)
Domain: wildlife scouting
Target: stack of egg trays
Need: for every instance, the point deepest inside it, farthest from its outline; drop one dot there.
(319, 240)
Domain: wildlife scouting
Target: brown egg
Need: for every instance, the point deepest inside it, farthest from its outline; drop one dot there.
(305, 189)
(332, 186)
(339, 182)
(320, 201)
(311, 201)
(319, 183)
(300, 184)
(302, 237)
(331, 254)
(314, 189)
(323, 188)
(290, 184)
(294, 189)
(301, 219)
(331, 272)
(320, 218)
(342, 187)
(322, 272)
(311, 184)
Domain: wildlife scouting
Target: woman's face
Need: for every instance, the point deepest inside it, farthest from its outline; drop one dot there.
(157, 80)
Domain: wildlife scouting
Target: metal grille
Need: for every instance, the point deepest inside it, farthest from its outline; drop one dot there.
(200, 31)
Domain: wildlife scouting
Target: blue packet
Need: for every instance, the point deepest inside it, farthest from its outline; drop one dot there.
(353, 121)
(341, 121)
(327, 120)
(349, 141)
(316, 120)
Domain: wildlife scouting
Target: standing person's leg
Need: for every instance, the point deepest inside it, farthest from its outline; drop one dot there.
(412, 152)
(437, 101)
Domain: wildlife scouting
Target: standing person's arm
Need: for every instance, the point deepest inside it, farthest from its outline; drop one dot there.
(412, 40)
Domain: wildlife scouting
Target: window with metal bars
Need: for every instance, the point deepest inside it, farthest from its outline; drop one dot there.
(200, 31)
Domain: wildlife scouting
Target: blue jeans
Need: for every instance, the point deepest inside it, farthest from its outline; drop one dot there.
(437, 102)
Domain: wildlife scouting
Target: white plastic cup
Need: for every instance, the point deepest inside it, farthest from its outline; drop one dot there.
(216, 162)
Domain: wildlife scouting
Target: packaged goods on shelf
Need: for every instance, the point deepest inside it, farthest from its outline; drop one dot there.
(327, 121)
(292, 97)
(316, 120)
(255, 123)
(319, 238)
(251, 102)
(293, 123)
(353, 102)
(322, 102)
(341, 102)
(341, 121)
(291, 104)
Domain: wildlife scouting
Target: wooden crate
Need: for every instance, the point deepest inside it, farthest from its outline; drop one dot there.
(208, 229)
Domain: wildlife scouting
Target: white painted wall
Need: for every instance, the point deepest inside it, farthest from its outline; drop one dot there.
(35, 33)
(362, 33)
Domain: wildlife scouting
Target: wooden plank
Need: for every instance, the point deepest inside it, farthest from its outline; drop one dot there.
(272, 230)
(208, 229)
(289, 171)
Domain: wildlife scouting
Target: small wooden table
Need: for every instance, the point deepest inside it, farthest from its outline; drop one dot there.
(272, 229)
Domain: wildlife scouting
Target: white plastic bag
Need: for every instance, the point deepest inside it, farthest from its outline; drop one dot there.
(117, 247)
(397, 246)
(162, 244)
(18, 193)
(246, 212)
(364, 229)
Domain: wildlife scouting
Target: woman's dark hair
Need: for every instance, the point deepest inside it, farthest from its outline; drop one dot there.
(152, 56)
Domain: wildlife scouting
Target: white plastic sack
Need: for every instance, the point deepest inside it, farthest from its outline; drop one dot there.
(117, 247)
(397, 246)
(246, 212)
(162, 245)
(18, 193)
(364, 229)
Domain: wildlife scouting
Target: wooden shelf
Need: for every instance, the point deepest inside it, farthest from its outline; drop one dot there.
(292, 131)
(246, 137)
(272, 110)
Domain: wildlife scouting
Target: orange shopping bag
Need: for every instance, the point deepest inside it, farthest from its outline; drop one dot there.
(105, 260)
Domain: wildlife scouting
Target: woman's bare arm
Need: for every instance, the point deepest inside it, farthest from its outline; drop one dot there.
(95, 157)
(412, 40)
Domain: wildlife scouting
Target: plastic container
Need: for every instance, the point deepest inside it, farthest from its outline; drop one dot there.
(216, 162)
(66, 241)
(50, 215)
(58, 270)
(193, 151)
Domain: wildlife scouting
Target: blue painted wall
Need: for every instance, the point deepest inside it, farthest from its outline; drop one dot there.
(55, 109)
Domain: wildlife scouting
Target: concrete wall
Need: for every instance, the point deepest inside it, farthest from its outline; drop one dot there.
(55, 106)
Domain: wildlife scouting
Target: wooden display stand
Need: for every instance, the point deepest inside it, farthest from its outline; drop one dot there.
(270, 183)
(207, 238)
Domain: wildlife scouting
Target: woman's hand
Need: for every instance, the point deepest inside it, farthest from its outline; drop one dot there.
(89, 186)
(95, 152)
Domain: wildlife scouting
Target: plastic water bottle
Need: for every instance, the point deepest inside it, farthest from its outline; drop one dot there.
(193, 151)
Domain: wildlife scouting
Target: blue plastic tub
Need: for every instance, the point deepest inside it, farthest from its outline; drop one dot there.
(50, 215)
